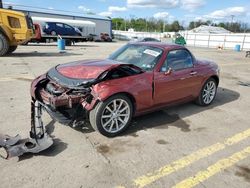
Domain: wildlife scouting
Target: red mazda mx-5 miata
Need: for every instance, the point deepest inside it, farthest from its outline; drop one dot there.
(137, 79)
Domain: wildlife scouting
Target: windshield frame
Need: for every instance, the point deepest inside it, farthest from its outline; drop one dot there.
(114, 55)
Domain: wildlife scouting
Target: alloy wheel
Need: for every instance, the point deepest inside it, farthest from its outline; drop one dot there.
(209, 92)
(115, 115)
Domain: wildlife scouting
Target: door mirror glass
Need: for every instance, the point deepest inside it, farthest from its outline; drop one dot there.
(164, 69)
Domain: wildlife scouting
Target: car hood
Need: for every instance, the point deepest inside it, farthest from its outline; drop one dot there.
(88, 69)
(83, 73)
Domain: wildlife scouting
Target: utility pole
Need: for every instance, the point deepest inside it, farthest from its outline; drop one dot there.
(232, 25)
(232, 16)
(125, 24)
(1, 4)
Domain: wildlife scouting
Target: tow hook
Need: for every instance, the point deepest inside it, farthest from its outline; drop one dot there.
(39, 140)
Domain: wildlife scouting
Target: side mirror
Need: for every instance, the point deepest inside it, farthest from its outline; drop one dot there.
(168, 72)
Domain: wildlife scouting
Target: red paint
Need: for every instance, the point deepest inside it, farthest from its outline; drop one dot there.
(90, 69)
(38, 34)
(149, 90)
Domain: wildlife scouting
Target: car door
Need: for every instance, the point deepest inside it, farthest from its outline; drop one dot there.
(176, 79)
(69, 30)
(60, 29)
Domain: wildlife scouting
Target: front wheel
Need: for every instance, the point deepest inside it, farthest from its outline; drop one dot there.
(112, 116)
(208, 92)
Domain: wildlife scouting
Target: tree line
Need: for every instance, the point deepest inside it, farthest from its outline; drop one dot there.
(155, 25)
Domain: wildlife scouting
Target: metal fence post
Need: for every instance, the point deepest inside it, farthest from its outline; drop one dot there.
(208, 40)
(194, 39)
(243, 42)
(224, 41)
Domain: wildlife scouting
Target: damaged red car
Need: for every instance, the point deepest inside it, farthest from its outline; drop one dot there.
(138, 78)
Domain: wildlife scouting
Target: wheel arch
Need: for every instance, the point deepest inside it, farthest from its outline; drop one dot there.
(129, 95)
(216, 78)
(2, 31)
(6, 32)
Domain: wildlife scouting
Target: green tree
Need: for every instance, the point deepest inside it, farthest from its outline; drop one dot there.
(145, 25)
(118, 23)
(175, 26)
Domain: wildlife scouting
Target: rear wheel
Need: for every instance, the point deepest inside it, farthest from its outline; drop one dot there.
(208, 92)
(4, 45)
(112, 116)
(109, 40)
(11, 49)
(68, 42)
(53, 33)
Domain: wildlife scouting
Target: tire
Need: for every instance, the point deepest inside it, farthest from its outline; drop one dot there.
(25, 44)
(11, 49)
(53, 33)
(207, 93)
(109, 40)
(68, 42)
(109, 123)
(4, 45)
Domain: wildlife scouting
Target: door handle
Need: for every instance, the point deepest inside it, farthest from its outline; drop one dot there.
(193, 73)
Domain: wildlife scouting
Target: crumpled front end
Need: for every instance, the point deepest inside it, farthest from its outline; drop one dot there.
(67, 105)
(67, 98)
(67, 93)
(67, 102)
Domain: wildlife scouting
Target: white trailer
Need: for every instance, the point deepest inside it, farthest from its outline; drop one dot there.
(86, 27)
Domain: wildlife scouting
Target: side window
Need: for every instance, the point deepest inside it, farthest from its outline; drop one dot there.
(178, 60)
(67, 26)
(45, 26)
(14, 22)
(59, 25)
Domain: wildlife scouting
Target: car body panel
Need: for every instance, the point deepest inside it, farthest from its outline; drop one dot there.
(88, 69)
(138, 86)
(60, 29)
(148, 90)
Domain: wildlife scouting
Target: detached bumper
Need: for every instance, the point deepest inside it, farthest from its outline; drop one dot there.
(39, 139)
(15, 146)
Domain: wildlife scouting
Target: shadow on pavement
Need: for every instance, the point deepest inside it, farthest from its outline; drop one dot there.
(163, 119)
(57, 147)
(159, 120)
(41, 54)
(77, 45)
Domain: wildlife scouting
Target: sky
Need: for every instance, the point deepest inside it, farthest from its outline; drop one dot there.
(168, 10)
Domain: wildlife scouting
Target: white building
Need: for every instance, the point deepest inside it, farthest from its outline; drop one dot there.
(85, 27)
(102, 24)
(209, 29)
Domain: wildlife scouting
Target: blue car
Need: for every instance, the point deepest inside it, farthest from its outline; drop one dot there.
(57, 28)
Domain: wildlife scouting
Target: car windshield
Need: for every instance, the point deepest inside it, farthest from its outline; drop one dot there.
(145, 57)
